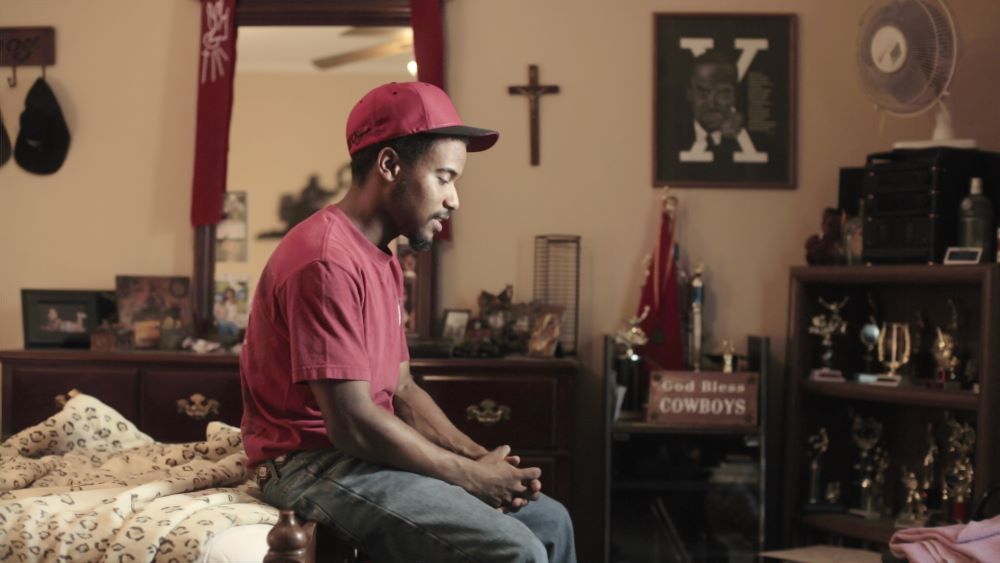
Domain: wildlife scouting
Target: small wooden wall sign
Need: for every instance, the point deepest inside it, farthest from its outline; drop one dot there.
(688, 398)
(27, 46)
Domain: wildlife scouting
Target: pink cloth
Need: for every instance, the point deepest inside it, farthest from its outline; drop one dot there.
(960, 543)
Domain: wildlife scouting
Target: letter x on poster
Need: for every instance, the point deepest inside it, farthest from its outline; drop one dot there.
(724, 100)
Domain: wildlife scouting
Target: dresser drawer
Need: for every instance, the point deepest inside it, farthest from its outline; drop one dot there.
(521, 411)
(32, 393)
(177, 404)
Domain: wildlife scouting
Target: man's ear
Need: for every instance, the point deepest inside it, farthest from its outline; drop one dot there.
(388, 164)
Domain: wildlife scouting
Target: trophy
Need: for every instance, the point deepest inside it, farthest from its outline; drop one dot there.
(957, 488)
(893, 352)
(914, 511)
(819, 443)
(697, 302)
(826, 326)
(869, 336)
(871, 466)
(628, 364)
(728, 354)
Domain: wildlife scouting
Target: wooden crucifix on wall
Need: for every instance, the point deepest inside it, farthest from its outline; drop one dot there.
(533, 90)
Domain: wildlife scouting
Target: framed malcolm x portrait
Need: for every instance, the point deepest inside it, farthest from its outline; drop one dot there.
(724, 99)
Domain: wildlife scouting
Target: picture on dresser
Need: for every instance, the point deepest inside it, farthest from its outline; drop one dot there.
(231, 309)
(63, 318)
(156, 310)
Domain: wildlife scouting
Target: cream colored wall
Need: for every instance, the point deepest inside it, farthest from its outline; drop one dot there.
(594, 178)
(286, 127)
(125, 77)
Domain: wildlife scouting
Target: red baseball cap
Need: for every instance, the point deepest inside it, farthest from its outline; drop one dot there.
(399, 109)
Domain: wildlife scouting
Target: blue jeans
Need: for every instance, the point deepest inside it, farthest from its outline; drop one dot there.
(397, 515)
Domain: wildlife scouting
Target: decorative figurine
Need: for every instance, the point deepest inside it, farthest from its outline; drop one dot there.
(927, 476)
(872, 462)
(893, 352)
(826, 326)
(957, 489)
(628, 364)
(828, 246)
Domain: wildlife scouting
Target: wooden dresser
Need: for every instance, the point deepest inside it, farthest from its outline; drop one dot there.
(526, 403)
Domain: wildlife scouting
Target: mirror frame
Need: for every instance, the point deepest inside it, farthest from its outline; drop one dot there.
(311, 12)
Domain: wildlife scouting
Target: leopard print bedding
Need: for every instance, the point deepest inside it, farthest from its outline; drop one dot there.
(87, 485)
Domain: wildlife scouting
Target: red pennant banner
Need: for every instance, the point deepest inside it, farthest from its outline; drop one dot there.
(217, 63)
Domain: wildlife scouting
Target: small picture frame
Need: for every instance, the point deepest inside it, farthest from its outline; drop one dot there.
(963, 255)
(454, 325)
(544, 339)
(155, 310)
(56, 318)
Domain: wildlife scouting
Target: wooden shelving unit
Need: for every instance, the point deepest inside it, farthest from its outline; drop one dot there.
(905, 411)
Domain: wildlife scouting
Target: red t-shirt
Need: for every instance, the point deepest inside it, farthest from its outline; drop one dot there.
(329, 305)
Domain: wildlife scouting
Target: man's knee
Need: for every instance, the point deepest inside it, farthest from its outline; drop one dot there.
(523, 547)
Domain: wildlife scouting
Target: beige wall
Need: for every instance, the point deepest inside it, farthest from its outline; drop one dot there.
(594, 179)
(125, 79)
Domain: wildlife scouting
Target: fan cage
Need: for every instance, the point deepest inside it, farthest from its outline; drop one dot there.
(930, 65)
(557, 282)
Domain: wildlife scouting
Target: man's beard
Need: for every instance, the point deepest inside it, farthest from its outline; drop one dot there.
(417, 241)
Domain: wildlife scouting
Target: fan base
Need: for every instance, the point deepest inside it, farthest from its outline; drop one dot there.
(930, 143)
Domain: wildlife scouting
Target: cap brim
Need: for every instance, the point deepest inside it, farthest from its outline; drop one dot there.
(479, 139)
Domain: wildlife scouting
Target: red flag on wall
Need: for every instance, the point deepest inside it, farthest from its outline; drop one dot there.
(217, 61)
(663, 322)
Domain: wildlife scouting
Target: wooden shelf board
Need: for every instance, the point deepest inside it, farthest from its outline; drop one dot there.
(892, 274)
(877, 531)
(675, 485)
(638, 427)
(918, 396)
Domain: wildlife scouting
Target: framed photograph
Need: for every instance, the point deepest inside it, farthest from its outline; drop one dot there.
(156, 310)
(418, 289)
(545, 334)
(63, 318)
(231, 233)
(725, 100)
(231, 307)
(455, 323)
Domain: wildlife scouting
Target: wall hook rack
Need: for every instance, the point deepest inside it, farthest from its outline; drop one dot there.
(26, 46)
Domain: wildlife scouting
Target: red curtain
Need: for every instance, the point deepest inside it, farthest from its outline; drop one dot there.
(217, 62)
(427, 22)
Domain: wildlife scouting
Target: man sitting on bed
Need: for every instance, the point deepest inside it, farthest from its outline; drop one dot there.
(343, 434)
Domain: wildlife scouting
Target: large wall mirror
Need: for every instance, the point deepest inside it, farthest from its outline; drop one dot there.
(300, 68)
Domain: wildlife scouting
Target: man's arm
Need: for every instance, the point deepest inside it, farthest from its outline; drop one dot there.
(418, 410)
(360, 428)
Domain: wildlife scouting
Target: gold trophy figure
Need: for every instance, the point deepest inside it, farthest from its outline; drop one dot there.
(872, 462)
(826, 326)
(957, 489)
(893, 352)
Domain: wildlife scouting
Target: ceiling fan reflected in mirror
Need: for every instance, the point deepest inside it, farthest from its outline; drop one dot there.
(397, 41)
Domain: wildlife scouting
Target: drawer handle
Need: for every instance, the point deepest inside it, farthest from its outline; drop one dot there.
(487, 412)
(61, 399)
(198, 407)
